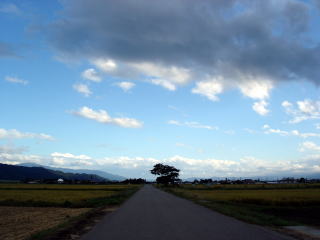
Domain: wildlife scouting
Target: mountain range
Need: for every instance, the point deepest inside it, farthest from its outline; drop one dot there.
(22, 173)
(106, 175)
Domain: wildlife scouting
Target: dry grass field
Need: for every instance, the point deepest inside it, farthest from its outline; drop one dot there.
(27, 209)
(18, 223)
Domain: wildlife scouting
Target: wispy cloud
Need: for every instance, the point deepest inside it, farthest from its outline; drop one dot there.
(6, 50)
(209, 88)
(309, 146)
(192, 125)
(68, 159)
(16, 80)
(10, 8)
(83, 89)
(261, 107)
(102, 116)
(125, 86)
(303, 110)
(15, 134)
(12, 149)
(92, 75)
(268, 130)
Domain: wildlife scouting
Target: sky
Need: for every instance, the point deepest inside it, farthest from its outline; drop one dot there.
(214, 88)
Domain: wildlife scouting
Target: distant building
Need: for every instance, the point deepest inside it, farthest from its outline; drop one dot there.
(60, 180)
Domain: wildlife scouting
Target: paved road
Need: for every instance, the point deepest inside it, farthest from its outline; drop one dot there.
(156, 215)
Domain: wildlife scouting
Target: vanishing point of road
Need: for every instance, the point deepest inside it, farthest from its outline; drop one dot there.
(157, 215)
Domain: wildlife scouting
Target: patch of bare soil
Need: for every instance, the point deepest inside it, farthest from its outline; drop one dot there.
(18, 223)
(77, 228)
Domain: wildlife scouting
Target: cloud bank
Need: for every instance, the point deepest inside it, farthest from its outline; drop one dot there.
(247, 166)
(249, 45)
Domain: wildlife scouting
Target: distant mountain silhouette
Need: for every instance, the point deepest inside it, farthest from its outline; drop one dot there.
(14, 172)
(103, 174)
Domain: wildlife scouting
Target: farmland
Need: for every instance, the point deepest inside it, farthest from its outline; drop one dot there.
(27, 205)
(266, 204)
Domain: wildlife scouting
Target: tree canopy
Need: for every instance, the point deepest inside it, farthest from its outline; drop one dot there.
(168, 174)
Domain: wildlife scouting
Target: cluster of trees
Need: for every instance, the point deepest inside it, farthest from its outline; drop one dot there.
(134, 181)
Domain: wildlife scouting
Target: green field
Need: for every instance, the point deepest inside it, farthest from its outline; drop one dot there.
(267, 204)
(62, 194)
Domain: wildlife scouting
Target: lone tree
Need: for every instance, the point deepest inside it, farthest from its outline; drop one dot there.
(168, 174)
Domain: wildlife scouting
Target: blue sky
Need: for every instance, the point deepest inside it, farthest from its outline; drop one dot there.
(214, 88)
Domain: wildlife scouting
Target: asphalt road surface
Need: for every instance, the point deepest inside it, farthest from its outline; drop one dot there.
(156, 215)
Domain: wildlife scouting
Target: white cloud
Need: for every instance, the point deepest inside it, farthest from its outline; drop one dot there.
(15, 134)
(304, 135)
(12, 149)
(13, 158)
(259, 89)
(261, 107)
(70, 155)
(128, 162)
(230, 132)
(209, 88)
(304, 110)
(164, 76)
(91, 74)
(192, 125)
(190, 167)
(125, 86)
(309, 146)
(55, 159)
(83, 89)
(251, 131)
(266, 126)
(106, 65)
(164, 83)
(168, 77)
(286, 104)
(70, 159)
(103, 117)
(178, 144)
(268, 130)
(16, 80)
(10, 8)
(309, 107)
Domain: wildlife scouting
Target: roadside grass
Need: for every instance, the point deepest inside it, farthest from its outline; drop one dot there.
(283, 205)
